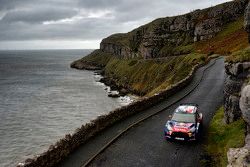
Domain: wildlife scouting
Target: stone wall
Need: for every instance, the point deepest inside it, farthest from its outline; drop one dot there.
(157, 38)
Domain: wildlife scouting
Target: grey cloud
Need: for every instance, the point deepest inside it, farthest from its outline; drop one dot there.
(98, 4)
(23, 18)
(11, 4)
(38, 15)
(86, 29)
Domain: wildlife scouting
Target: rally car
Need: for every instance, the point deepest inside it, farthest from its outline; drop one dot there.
(185, 123)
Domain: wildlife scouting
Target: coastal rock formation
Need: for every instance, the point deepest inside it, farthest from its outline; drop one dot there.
(160, 37)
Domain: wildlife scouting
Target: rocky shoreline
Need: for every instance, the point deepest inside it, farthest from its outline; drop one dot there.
(108, 81)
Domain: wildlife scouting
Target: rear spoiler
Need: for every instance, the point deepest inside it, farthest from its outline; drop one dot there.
(189, 104)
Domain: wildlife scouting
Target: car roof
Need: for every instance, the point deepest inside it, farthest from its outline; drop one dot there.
(188, 109)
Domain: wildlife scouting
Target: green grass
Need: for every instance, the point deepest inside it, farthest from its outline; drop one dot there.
(231, 28)
(223, 136)
(239, 56)
(147, 77)
(97, 58)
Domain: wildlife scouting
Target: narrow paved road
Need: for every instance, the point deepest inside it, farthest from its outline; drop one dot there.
(144, 145)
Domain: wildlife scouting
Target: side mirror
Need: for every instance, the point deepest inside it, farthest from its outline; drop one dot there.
(200, 117)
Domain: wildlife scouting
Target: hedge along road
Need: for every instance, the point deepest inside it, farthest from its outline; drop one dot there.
(144, 144)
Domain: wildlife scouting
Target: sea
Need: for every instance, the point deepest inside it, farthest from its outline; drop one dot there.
(42, 99)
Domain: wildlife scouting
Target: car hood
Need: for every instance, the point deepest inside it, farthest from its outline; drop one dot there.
(181, 126)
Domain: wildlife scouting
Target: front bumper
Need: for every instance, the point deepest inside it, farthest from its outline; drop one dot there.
(183, 136)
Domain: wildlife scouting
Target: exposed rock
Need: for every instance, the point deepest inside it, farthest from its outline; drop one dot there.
(232, 88)
(247, 20)
(123, 92)
(239, 70)
(245, 104)
(159, 37)
(237, 73)
(232, 110)
(114, 94)
(237, 157)
(84, 66)
(232, 85)
(237, 101)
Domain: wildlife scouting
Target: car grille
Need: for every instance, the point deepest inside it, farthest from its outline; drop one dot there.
(180, 134)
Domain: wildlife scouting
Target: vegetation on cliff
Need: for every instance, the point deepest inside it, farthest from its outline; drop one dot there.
(232, 38)
(222, 136)
(239, 56)
(144, 77)
(147, 77)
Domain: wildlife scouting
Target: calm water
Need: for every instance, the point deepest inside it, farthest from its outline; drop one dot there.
(42, 99)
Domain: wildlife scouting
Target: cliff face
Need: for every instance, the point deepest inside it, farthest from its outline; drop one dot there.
(160, 37)
(236, 74)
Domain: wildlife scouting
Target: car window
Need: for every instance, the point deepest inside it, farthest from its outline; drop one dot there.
(184, 117)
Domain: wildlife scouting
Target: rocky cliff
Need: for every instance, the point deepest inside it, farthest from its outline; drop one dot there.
(237, 100)
(236, 74)
(160, 37)
(241, 156)
(237, 104)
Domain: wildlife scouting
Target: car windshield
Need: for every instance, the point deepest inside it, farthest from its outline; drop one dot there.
(183, 117)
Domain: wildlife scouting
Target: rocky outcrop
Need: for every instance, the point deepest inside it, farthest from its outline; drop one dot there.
(247, 21)
(241, 156)
(236, 74)
(237, 104)
(245, 105)
(84, 66)
(158, 38)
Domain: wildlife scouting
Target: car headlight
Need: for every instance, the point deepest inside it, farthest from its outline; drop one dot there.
(192, 129)
(169, 127)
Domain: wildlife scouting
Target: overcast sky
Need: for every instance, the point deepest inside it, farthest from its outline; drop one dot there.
(56, 24)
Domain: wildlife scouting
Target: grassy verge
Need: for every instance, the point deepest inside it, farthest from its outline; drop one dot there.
(239, 56)
(223, 136)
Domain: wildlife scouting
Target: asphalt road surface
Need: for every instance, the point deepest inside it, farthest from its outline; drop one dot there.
(144, 145)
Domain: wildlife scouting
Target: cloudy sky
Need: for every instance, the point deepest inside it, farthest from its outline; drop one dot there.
(55, 24)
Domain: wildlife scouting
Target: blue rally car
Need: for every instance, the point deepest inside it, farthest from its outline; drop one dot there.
(185, 123)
